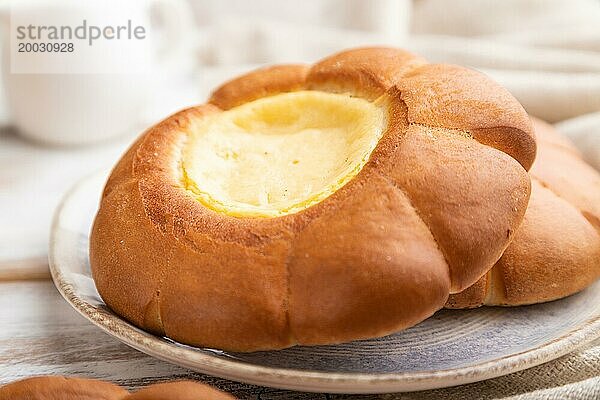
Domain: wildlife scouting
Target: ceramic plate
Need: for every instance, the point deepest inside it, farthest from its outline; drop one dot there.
(451, 348)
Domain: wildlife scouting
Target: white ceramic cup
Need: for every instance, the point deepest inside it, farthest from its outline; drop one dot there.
(86, 107)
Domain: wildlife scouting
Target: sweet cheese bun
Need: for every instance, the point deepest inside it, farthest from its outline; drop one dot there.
(556, 251)
(314, 204)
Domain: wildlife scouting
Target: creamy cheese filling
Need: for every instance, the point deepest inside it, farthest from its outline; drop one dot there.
(281, 154)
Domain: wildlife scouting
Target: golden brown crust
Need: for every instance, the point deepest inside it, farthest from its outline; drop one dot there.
(368, 72)
(447, 192)
(550, 137)
(556, 251)
(569, 176)
(182, 390)
(61, 388)
(482, 108)
(369, 265)
(471, 297)
(380, 254)
(259, 83)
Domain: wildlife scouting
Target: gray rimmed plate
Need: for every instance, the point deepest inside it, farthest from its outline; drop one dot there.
(451, 348)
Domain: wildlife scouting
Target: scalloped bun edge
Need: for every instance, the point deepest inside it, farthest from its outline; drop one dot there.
(440, 194)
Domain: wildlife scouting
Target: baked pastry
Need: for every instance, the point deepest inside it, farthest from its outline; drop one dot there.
(314, 205)
(556, 251)
(61, 388)
(65, 388)
(181, 390)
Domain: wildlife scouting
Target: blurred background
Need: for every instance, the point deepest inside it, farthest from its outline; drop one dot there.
(56, 128)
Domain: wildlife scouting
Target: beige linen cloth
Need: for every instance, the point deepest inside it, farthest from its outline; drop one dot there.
(546, 52)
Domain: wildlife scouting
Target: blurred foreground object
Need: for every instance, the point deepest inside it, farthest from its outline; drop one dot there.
(65, 388)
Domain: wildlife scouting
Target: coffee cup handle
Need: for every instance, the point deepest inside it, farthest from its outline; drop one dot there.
(177, 16)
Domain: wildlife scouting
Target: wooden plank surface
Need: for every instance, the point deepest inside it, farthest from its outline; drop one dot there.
(41, 334)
